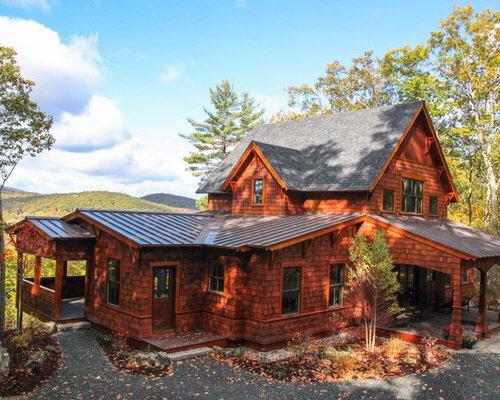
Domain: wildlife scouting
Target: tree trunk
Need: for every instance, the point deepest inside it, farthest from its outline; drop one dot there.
(2, 268)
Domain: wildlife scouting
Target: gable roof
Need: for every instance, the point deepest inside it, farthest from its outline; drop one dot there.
(337, 152)
(55, 228)
(453, 235)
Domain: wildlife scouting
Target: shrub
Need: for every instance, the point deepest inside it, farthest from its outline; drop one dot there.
(344, 361)
(469, 341)
(25, 337)
(429, 350)
(394, 347)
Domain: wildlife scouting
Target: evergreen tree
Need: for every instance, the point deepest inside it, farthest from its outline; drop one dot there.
(223, 128)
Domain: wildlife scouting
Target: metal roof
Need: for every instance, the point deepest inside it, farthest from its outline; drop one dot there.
(335, 152)
(463, 238)
(270, 231)
(56, 228)
(151, 228)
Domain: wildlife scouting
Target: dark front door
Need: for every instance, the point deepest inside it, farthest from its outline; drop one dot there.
(163, 297)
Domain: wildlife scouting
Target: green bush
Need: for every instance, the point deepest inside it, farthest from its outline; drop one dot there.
(469, 341)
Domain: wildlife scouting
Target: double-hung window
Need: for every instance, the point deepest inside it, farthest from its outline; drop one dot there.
(290, 297)
(413, 192)
(336, 292)
(216, 278)
(113, 282)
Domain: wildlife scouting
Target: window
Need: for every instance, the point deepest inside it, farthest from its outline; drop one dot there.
(388, 200)
(433, 205)
(336, 285)
(465, 277)
(216, 278)
(258, 191)
(412, 196)
(290, 298)
(447, 280)
(113, 284)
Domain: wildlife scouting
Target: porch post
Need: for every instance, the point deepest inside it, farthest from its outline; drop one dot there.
(19, 295)
(456, 312)
(38, 273)
(481, 323)
(58, 289)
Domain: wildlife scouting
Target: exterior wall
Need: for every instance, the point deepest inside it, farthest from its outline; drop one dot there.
(220, 202)
(344, 202)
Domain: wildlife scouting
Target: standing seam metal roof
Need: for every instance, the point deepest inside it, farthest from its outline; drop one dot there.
(56, 228)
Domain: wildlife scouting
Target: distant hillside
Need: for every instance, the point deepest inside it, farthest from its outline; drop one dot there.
(172, 200)
(19, 204)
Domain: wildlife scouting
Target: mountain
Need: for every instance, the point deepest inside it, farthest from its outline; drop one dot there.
(172, 200)
(18, 204)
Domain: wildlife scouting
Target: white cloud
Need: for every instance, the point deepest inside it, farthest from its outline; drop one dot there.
(27, 4)
(66, 75)
(271, 104)
(94, 150)
(100, 126)
(172, 72)
(241, 4)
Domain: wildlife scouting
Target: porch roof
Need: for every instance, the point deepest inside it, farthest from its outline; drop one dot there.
(454, 235)
(55, 228)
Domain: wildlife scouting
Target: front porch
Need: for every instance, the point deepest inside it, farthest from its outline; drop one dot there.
(431, 322)
(52, 268)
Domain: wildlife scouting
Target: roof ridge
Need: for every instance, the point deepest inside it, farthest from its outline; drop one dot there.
(142, 211)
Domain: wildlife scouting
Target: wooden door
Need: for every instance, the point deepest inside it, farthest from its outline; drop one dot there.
(163, 297)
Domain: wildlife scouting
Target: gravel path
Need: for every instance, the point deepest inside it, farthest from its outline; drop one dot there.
(87, 374)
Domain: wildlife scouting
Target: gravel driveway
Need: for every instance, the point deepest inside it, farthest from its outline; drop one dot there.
(87, 374)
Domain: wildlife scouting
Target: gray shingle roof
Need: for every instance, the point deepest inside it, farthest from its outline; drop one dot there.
(56, 228)
(337, 152)
(463, 238)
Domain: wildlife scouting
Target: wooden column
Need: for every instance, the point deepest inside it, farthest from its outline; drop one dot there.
(456, 310)
(38, 273)
(19, 295)
(58, 289)
(481, 322)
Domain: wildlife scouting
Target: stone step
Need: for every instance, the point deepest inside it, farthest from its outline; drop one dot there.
(73, 326)
(192, 353)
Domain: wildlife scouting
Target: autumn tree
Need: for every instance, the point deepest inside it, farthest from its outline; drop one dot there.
(456, 71)
(231, 118)
(24, 131)
(372, 281)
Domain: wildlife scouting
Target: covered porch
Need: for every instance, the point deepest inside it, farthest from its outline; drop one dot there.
(51, 247)
(441, 266)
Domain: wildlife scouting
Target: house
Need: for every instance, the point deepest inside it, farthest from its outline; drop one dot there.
(270, 257)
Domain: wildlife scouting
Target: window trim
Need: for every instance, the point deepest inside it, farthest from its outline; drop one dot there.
(437, 206)
(413, 178)
(290, 265)
(119, 281)
(393, 200)
(341, 285)
(218, 278)
(263, 179)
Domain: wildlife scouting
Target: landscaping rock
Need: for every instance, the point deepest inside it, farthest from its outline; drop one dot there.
(37, 358)
(74, 326)
(182, 355)
(4, 362)
(50, 327)
(150, 358)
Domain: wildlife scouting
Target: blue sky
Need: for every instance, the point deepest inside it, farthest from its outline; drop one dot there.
(122, 77)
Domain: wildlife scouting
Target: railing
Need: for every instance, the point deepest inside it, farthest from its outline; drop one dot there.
(39, 300)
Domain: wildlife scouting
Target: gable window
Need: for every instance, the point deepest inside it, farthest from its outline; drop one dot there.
(216, 278)
(336, 285)
(433, 205)
(388, 201)
(290, 298)
(113, 282)
(413, 192)
(258, 191)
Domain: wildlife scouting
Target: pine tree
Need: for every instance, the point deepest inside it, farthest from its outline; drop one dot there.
(223, 128)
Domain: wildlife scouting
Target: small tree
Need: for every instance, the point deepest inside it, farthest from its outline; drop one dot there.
(24, 131)
(372, 280)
